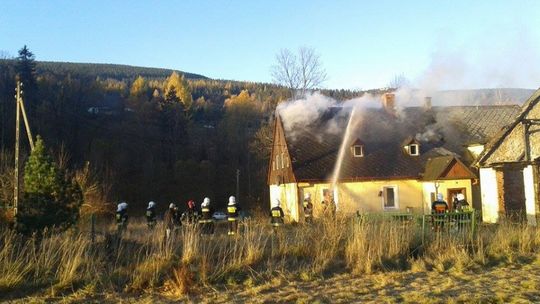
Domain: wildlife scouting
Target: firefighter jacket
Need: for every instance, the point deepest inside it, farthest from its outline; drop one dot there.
(439, 207)
(206, 214)
(232, 213)
(461, 205)
(151, 215)
(308, 208)
(276, 214)
(121, 217)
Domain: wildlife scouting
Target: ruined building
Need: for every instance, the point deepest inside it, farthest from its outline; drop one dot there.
(509, 168)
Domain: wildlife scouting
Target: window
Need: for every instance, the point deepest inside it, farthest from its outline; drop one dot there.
(358, 151)
(277, 161)
(282, 160)
(413, 150)
(274, 165)
(390, 197)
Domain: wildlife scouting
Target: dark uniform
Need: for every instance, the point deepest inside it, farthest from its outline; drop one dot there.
(177, 218)
(206, 221)
(232, 219)
(191, 213)
(121, 220)
(277, 215)
(168, 220)
(462, 205)
(308, 210)
(151, 217)
(438, 209)
(464, 219)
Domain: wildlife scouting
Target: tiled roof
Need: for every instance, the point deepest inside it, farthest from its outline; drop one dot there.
(441, 131)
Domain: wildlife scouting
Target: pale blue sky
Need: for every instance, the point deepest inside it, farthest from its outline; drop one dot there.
(362, 44)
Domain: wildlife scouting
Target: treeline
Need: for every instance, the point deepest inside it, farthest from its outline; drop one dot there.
(150, 134)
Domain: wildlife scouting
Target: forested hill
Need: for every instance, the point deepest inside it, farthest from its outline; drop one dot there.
(102, 70)
(159, 134)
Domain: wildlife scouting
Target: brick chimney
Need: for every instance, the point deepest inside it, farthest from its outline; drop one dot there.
(389, 103)
(427, 103)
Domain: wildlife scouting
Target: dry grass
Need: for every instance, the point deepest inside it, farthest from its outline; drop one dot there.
(188, 263)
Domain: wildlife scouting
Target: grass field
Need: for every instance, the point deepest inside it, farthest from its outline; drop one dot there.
(331, 261)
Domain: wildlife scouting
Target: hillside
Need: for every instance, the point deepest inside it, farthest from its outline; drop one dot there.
(499, 96)
(102, 70)
(487, 96)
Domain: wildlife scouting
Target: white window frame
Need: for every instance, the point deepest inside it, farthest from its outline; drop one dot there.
(361, 151)
(277, 161)
(417, 147)
(396, 197)
(282, 160)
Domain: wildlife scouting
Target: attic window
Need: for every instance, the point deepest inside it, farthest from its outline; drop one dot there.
(358, 151)
(357, 148)
(414, 150)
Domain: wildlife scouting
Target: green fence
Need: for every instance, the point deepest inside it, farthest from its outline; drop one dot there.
(457, 225)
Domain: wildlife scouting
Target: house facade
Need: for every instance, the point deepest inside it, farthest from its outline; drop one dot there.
(394, 160)
(509, 168)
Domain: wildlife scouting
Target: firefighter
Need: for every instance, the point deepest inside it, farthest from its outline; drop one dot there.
(463, 219)
(308, 208)
(121, 217)
(177, 218)
(232, 216)
(329, 205)
(192, 212)
(276, 214)
(438, 208)
(169, 220)
(151, 215)
(206, 221)
(461, 203)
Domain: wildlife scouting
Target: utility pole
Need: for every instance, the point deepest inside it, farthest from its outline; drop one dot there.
(17, 140)
(20, 109)
(237, 184)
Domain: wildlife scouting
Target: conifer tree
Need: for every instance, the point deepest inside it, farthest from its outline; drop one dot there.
(50, 199)
(26, 69)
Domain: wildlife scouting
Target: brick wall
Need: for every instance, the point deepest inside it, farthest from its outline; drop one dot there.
(511, 192)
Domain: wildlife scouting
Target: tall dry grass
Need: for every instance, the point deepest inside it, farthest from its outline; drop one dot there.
(143, 259)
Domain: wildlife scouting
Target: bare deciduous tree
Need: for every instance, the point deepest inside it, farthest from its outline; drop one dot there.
(300, 73)
(5, 55)
(399, 81)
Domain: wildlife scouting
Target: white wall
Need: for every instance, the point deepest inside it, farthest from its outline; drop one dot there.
(287, 194)
(490, 199)
(528, 180)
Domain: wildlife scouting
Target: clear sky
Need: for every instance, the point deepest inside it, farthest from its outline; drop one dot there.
(362, 44)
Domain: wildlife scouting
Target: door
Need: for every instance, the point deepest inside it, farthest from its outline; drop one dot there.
(452, 196)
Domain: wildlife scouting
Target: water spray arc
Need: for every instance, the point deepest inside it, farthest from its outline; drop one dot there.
(341, 154)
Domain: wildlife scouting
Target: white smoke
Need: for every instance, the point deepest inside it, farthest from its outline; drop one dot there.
(302, 112)
(299, 114)
(493, 59)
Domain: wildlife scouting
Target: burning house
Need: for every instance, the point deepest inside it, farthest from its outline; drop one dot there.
(509, 168)
(392, 159)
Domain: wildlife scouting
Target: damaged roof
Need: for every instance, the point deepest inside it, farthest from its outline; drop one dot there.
(440, 132)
